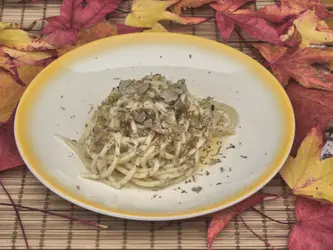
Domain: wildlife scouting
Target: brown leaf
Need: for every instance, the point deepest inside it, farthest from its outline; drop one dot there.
(296, 63)
(28, 73)
(98, 31)
(10, 94)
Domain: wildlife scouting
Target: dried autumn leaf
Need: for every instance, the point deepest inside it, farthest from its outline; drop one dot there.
(63, 29)
(13, 37)
(221, 219)
(98, 31)
(306, 174)
(278, 13)
(11, 59)
(311, 29)
(20, 58)
(146, 13)
(9, 154)
(296, 63)
(314, 227)
(157, 28)
(311, 106)
(28, 73)
(228, 16)
(183, 4)
(10, 94)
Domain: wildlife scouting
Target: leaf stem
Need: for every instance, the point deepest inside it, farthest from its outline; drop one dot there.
(123, 11)
(55, 214)
(272, 219)
(166, 224)
(17, 215)
(255, 234)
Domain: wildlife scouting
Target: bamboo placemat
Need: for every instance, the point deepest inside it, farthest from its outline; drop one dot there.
(49, 232)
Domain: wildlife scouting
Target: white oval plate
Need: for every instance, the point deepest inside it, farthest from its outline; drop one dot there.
(61, 98)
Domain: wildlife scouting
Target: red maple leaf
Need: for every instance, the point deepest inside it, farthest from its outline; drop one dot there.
(228, 16)
(311, 106)
(314, 227)
(278, 13)
(221, 219)
(64, 29)
(296, 63)
(9, 155)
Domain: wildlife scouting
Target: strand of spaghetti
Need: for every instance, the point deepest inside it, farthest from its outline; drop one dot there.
(110, 183)
(166, 155)
(104, 150)
(137, 175)
(155, 168)
(109, 170)
(147, 183)
(128, 177)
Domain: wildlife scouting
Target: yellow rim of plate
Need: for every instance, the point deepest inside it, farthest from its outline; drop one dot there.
(34, 89)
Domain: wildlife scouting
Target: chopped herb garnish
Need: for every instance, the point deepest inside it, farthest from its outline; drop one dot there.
(219, 183)
(196, 189)
(221, 169)
(190, 56)
(243, 156)
(154, 196)
(183, 192)
(78, 187)
(231, 146)
(62, 108)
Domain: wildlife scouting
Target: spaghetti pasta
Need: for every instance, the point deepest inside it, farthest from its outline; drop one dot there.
(150, 132)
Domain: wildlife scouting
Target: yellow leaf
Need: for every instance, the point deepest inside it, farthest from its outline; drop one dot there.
(311, 29)
(13, 37)
(157, 28)
(146, 13)
(306, 174)
(9, 26)
(10, 94)
(26, 57)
